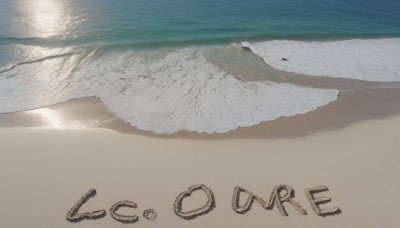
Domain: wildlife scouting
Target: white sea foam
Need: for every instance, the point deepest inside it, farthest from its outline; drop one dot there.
(371, 60)
(160, 91)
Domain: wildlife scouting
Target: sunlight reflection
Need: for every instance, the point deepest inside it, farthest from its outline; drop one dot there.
(46, 17)
(50, 115)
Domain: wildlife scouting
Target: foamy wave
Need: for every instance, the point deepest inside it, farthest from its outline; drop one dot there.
(160, 91)
(371, 60)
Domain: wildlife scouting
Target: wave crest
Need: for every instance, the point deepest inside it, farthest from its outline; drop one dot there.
(163, 91)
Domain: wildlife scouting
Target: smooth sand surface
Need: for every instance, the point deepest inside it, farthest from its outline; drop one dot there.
(44, 172)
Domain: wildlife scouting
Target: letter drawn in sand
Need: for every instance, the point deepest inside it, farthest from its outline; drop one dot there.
(275, 198)
(315, 202)
(123, 218)
(74, 216)
(197, 212)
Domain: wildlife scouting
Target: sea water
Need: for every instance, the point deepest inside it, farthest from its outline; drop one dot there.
(149, 61)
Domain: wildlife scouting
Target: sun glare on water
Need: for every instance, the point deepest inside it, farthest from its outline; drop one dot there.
(46, 18)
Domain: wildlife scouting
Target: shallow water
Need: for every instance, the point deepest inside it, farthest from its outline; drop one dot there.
(170, 65)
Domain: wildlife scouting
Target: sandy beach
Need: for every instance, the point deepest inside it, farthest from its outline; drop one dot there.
(195, 114)
(350, 146)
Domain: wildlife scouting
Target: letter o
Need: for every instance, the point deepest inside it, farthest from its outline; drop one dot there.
(197, 212)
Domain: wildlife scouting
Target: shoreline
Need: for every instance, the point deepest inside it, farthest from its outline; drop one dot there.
(189, 89)
(349, 108)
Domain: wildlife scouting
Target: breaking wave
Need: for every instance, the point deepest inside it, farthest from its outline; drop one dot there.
(163, 90)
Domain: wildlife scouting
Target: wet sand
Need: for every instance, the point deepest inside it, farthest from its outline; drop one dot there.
(351, 107)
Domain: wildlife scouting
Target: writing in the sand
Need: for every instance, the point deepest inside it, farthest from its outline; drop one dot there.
(281, 194)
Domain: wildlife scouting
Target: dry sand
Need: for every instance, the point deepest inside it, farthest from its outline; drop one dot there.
(351, 146)
(45, 172)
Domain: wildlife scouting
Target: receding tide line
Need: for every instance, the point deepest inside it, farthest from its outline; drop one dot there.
(245, 65)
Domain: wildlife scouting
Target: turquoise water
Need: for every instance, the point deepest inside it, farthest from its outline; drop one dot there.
(160, 22)
(151, 24)
(170, 65)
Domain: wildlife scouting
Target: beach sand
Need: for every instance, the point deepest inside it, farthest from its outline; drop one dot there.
(351, 146)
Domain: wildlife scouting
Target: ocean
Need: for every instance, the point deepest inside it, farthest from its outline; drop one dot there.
(143, 23)
(171, 65)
